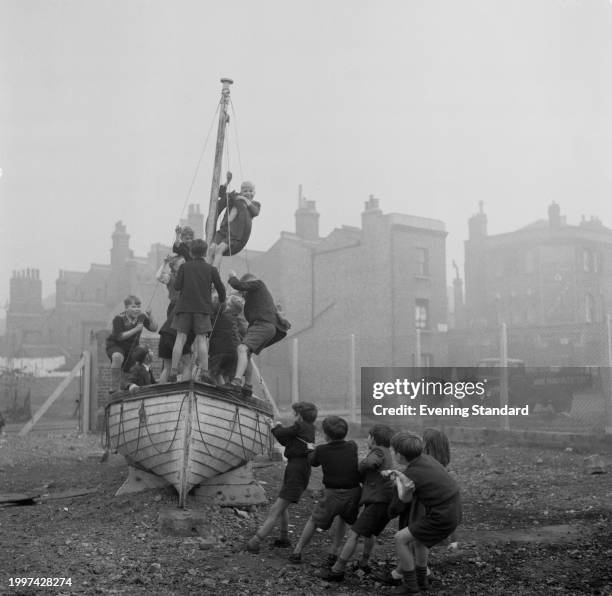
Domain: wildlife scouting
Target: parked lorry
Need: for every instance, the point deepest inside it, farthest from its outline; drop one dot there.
(546, 387)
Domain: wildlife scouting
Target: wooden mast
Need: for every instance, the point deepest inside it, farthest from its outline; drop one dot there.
(211, 221)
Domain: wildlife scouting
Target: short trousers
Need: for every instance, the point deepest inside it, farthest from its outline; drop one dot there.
(128, 361)
(192, 321)
(234, 246)
(224, 363)
(372, 520)
(438, 522)
(336, 501)
(258, 335)
(166, 344)
(295, 479)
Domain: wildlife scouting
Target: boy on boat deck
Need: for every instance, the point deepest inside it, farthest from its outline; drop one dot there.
(194, 307)
(266, 326)
(124, 338)
(235, 228)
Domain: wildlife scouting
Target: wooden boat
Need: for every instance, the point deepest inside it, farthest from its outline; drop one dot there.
(188, 432)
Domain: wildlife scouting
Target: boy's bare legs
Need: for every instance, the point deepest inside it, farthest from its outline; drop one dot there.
(166, 365)
(306, 536)
(404, 544)
(242, 361)
(346, 553)
(217, 255)
(368, 547)
(338, 532)
(186, 366)
(117, 360)
(177, 352)
(278, 510)
(202, 348)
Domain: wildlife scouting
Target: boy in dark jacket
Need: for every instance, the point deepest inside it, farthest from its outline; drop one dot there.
(140, 374)
(297, 439)
(266, 326)
(427, 480)
(376, 494)
(194, 307)
(338, 458)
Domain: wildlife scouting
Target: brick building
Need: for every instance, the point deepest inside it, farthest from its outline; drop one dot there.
(378, 283)
(550, 282)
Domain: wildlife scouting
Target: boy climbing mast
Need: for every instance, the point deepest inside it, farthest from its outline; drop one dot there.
(235, 228)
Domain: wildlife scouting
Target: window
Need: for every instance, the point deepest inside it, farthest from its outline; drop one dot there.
(422, 261)
(590, 310)
(421, 314)
(427, 360)
(586, 260)
(596, 262)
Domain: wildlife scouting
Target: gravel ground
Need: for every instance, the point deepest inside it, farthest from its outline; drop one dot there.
(535, 522)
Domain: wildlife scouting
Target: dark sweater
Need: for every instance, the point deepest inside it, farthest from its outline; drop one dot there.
(294, 438)
(433, 485)
(140, 376)
(258, 302)
(339, 462)
(194, 280)
(376, 488)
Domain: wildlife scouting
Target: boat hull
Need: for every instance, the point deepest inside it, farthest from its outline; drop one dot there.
(187, 432)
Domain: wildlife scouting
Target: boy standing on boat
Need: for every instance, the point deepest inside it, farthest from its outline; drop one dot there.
(235, 229)
(124, 338)
(194, 307)
(298, 440)
(266, 326)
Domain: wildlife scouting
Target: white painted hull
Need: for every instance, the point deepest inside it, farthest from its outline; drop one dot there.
(187, 432)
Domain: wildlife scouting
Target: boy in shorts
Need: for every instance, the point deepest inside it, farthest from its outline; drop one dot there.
(376, 494)
(338, 459)
(427, 480)
(298, 440)
(266, 326)
(125, 336)
(194, 307)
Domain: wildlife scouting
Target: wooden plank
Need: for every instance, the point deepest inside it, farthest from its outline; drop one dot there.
(86, 392)
(69, 494)
(267, 393)
(49, 401)
(18, 497)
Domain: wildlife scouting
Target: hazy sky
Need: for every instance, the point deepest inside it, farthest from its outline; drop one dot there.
(430, 105)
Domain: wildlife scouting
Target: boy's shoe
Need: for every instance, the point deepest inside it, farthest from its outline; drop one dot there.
(172, 378)
(330, 559)
(233, 385)
(295, 558)
(282, 543)
(332, 576)
(364, 568)
(206, 378)
(404, 590)
(252, 547)
(385, 577)
(247, 390)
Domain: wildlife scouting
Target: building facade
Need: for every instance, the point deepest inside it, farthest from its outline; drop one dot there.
(549, 282)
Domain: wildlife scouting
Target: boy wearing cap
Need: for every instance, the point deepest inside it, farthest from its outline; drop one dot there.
(298, 440)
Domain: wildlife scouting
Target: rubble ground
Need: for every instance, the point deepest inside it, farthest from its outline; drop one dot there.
(535, 522)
